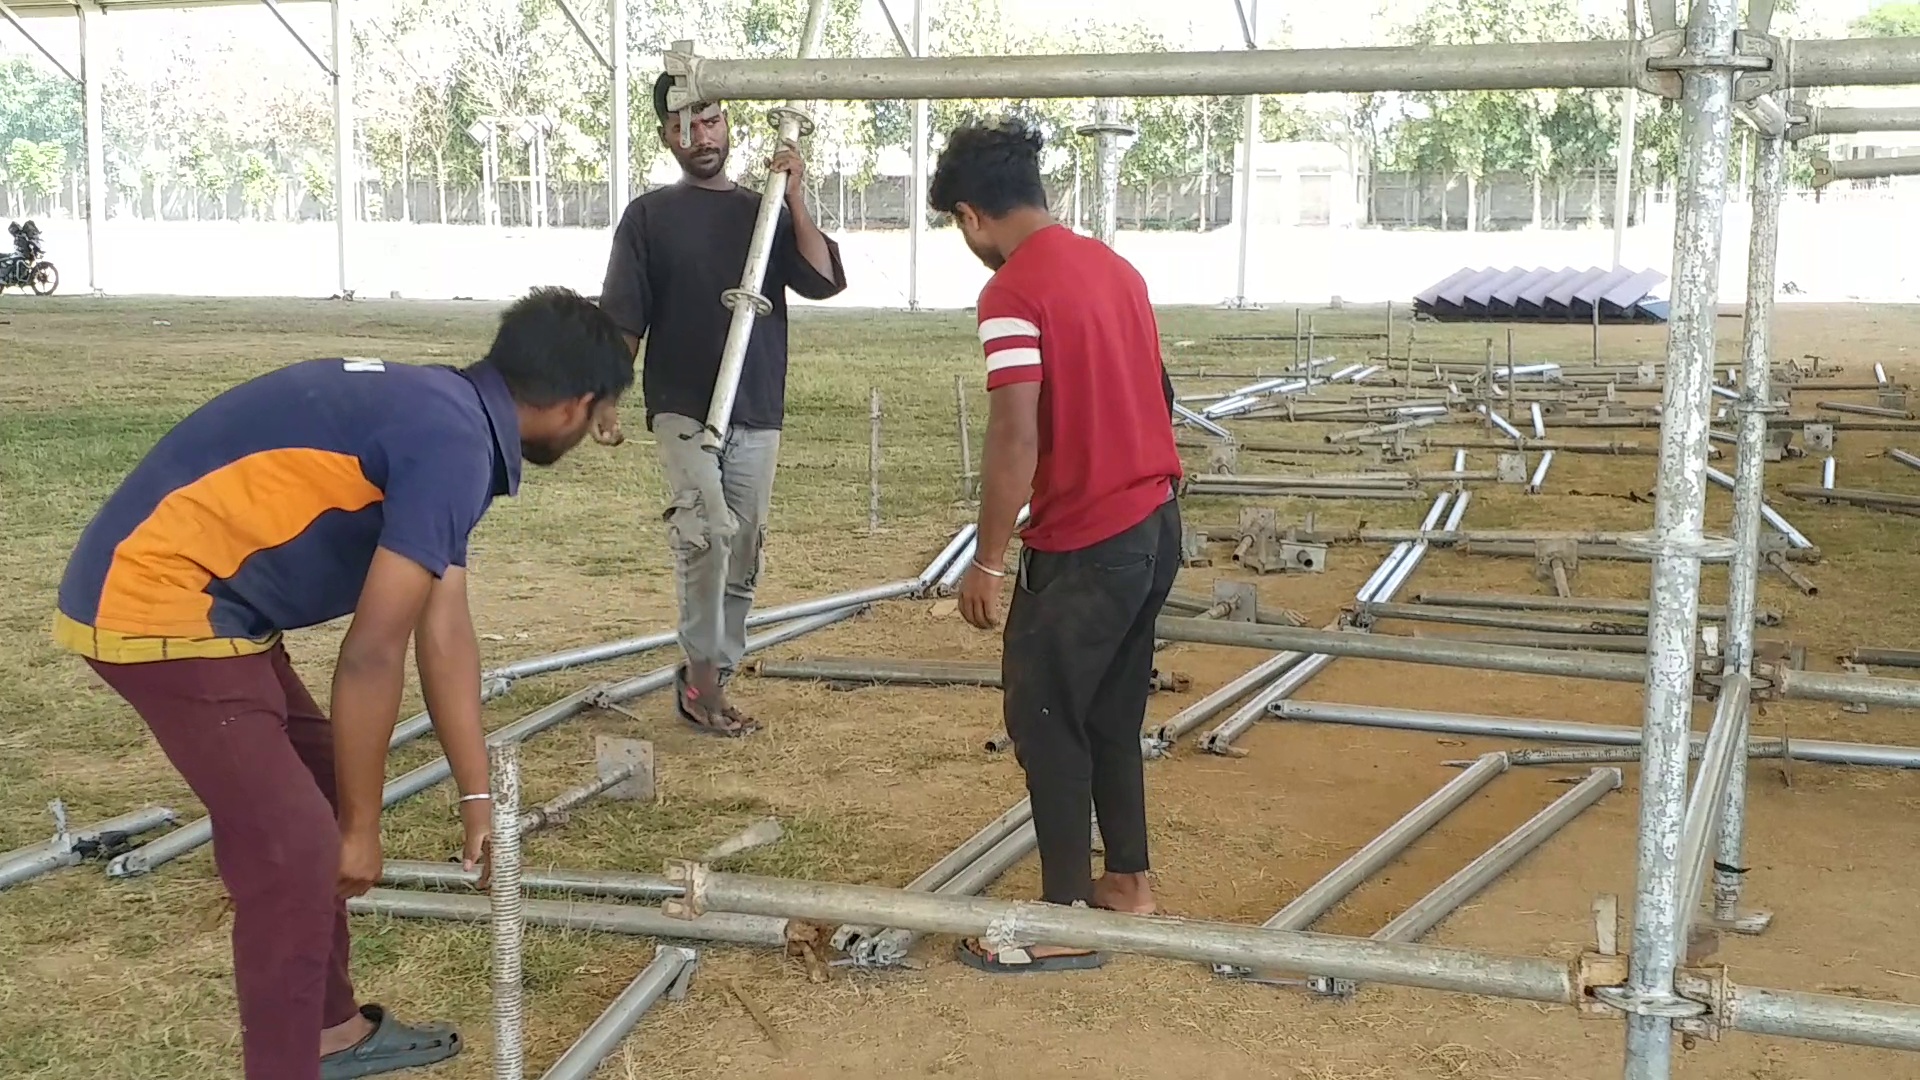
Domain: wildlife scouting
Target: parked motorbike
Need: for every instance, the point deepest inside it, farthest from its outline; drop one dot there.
(25, 267)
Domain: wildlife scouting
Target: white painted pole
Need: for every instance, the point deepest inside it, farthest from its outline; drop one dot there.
(343, 192)
(620, 146)
(1243, 182)
(93, 78)
(917, 212)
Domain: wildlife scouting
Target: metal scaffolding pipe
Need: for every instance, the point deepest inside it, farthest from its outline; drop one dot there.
(1582, 65)
(1879, 500)
(1435, 651)
(1826, 172)
(1597, 605)
(556, 810)
(1430, 910)
(69, 848)
(883, 671)
(746, 301)
(1325, 894)
(1725, 752)
(1890, 1025)
(1502, 727)
(190, 837)
(1498, 619)
(1847, 689)
(1901, 658)
(851, 939)
(1828, 120)
(572, 915)
(891, 946)
(1006, 922)
(504, 900)
(616, 884)
(672, 966)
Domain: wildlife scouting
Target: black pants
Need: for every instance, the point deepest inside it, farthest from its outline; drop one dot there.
(1076, 666)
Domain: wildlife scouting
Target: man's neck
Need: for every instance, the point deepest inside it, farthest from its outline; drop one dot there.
(1020, 225)
(716, 182)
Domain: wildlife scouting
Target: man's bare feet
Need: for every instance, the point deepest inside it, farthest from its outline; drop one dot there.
(1130, 894)
(345, 1036)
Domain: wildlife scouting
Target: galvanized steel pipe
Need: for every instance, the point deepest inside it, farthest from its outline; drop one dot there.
(1434, 651)
(505, 900)
(631, 919)
(668, 973)
(69, 848)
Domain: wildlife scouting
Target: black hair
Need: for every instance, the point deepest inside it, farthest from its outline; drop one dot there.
(660, 87)
(994, 168)
(554, 345)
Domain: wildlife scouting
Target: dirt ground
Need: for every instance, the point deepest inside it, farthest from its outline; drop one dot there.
(130, 979)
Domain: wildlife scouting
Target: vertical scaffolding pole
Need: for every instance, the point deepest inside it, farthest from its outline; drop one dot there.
(1243, 178)
(343, 192)
(1623, 175)
(1678, 542)
(621, 145)
(917, 213)
(746, 301)
(93, 78)
(1749, 492)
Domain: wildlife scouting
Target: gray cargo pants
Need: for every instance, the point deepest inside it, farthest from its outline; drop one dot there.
(717, 526)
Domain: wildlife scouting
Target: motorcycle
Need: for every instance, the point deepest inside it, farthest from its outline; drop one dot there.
(25, 267)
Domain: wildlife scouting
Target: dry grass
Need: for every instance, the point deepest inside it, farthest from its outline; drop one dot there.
(129, 979)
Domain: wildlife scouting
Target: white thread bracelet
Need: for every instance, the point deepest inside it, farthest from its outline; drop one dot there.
(481, 797)
(988, 570)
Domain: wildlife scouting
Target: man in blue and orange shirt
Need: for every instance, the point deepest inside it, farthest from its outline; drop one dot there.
(323, 489)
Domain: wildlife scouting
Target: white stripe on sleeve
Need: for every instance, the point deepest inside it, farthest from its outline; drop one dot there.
(1006, 327)
(1012, 358)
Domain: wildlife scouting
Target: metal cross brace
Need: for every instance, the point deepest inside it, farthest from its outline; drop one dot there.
(7, 14)
(274, 7)
(574, 18)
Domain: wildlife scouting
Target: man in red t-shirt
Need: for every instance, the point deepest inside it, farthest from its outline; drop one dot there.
(1080, 424)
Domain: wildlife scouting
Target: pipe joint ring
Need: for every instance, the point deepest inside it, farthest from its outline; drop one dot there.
(1681, 547)
(692, 878)
(1662, 1003)
(733, 298)
(779, 115)
(1748, 407)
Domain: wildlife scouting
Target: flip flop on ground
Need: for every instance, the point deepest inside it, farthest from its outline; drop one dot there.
(1018, 960)
(391, 1047)
(734, 723)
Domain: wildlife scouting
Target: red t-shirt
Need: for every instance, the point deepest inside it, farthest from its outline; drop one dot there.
(1067, 312)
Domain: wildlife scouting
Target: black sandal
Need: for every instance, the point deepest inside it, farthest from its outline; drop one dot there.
(391, 1047)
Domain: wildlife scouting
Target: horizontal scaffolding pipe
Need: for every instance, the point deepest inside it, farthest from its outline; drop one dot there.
(1503, 727)
(70, 847)
(734, 929)
(1501, 620)
(895, 672)
(1433, 651)
(1889, 1025)
(1623, 449)
(1002, 923)
(1901, 658)
(1612, 552)
(1582, 65)
(1857, 496)
(668, 973)
(1828, 120)
(891, 946)
(1863, 410)
(850, 938)
(190, 837)
(1349, 480)
(1846, 689)
(1163, 739)
(608, 884)
(1432, 909)
(1598, 605)
(1277, 491)
(1325, 894)
(1630, 644)
(1911, 461)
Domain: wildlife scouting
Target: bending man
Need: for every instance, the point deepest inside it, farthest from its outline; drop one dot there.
(676, 251)
(1079, 422)
(328, 488)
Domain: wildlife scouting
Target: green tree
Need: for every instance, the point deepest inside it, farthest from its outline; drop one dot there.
(38, 167)
(1888, 20)
(260, 185)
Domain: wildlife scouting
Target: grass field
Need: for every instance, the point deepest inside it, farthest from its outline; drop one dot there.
(103, 979)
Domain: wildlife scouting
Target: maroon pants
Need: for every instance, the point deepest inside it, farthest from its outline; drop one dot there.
(258, 752)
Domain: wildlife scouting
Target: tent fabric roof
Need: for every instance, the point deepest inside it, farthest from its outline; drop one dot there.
(1620, 294)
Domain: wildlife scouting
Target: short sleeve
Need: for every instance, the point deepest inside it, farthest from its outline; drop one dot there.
(626, 293)
(437, 489)
(799, 274)
(1010, 334)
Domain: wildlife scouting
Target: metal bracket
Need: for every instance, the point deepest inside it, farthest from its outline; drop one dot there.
(1193, 547)
(1259, 546)
(1819, 437)
(692, 879)
(1511, 468)
(1702, 547)
(682, 982)
(1223, 456)
(1660, 60)
(681, 62)
(1712, 991)
(1309, 558)
(613, 754)
(1243, 598)
(780, 114)
(1604, 966)
(1662, 1003)
(733, 298)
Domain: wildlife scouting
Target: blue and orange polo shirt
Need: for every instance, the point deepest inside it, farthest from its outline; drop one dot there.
(260, 512)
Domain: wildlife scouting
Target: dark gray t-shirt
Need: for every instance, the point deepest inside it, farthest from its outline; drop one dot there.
(676, 250)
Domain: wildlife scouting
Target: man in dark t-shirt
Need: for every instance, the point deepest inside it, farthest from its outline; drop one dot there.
(677, 249)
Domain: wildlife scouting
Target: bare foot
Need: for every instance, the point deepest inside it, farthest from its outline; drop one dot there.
(1129, 894)
(345, 1036)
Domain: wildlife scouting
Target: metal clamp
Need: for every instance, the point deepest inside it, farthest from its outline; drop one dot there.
(1658, 61)
(1702, 547)
(780, 114)
(1746, 406)
(1662, 1003)
(692, 878)
(733, 298)
(1714, 991)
